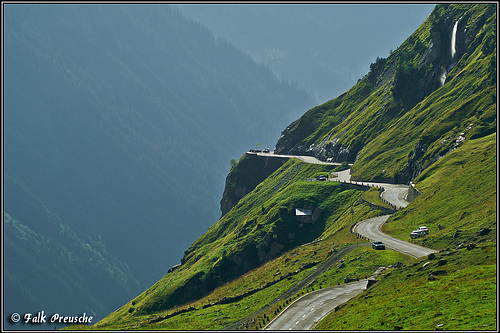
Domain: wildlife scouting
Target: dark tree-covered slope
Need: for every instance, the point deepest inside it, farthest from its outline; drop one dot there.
(119, 125)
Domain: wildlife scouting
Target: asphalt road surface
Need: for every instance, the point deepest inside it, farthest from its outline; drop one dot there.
(307, 159)
(307, 311)
(393, 193)
(371, 229)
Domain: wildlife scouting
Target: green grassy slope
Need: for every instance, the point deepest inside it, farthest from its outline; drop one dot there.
(461, 297)
(261, 286)
(253, 290)
(431, 129)
(458, 192)
(463, 268)
(258, 229)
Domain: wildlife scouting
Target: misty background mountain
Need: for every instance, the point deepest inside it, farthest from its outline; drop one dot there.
(323, 48)
(119, 126)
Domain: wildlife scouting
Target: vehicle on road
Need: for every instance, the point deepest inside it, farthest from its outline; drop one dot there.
(321, 178)
(424, 229)
(378, 245)
(266, 150)
(417, 234)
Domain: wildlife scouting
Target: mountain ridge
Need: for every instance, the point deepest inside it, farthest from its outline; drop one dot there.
(426, 53)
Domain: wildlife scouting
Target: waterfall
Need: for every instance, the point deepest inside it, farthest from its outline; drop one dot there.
(442, 78)
(453, 39)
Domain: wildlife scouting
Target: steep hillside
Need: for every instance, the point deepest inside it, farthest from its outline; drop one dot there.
(259, 228)
(465, 264)
(459, 194)
(413, 107)
(399, 123)
(119, 125)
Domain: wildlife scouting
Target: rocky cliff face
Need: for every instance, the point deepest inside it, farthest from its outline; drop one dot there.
(445, 54)
(329, 149)
(250, 171)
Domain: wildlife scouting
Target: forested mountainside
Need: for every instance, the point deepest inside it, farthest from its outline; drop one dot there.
(120, 122)
(425, 114)
(313, 44)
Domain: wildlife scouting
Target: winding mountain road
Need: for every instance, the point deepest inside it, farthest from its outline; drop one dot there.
(307, 311)
(371, 229)
(393, 193)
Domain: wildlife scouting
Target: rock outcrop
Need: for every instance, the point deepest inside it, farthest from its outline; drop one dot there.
(249, 172)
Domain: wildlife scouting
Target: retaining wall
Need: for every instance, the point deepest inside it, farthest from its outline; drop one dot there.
(385, 210)
(413, 193)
